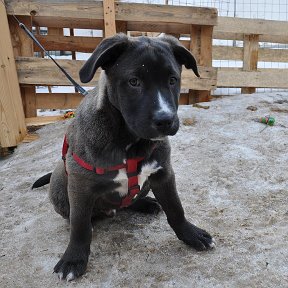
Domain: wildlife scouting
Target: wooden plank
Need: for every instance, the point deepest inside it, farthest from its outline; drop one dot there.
(124, 11)
(195, 48)
(41, 121)
(57, 9)
(250, 58)
(52, 31)
(121, 26)
(273, 55)
(240, 36)
(37, 71)
(201, 48)
(68, 22)
(30, 137)
(207, 81)
(236, 53)
(165, 13)
(227, 53)
(251, 26)
(12, 124)
(206, 46)
(55, 31)
(154, 26)
(23, 46)
(109, 18)
(263, 78)
(168, 28)
(58, 100)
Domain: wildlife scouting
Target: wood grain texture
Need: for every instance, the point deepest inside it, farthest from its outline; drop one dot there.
(58, 100)
(23, 46)
(12, 124)
(37, 71)
(123, 11)
(109, 18)
(41, 121)
(250, 58)
(262, 78)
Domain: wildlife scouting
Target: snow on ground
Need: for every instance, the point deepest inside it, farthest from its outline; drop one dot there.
(232, 179)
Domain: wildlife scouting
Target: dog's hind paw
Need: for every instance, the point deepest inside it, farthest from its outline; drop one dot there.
(195, 237)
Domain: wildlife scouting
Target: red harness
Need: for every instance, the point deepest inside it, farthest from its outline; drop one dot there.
(130, 166)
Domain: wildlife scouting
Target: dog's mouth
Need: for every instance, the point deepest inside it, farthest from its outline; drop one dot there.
(153, 132)
(158, 138)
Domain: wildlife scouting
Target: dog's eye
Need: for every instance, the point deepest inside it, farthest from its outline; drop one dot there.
(173, 80)
(134, 82)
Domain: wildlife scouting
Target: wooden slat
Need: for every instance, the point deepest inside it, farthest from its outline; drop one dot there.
(60, 22)
(58, 100)
(227, 53)
(23, 46)
(12, 124)
(236, 53)
(124, 11)
(121, 26)
(250, 58)
(109, 18)
(168, 27)
(251, 26)
(201, 48)
(263, 78)
(273, 55)
(68, 43)
(165, 13)
(57, 9)
(30, 137)
(207, 81)
(39, 71)
(41, 121)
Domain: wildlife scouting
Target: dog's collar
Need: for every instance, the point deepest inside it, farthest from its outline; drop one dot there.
(131, 167)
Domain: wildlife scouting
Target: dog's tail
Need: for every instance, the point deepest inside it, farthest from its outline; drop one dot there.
(42, 181)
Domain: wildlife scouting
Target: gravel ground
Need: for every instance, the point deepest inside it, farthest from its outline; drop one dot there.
(232, 178)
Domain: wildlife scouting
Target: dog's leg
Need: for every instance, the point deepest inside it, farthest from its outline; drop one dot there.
(74, 261)
(58, 193)
(164, 188)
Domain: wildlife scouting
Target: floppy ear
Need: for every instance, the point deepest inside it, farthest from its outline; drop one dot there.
(103, 56)
(182, 55)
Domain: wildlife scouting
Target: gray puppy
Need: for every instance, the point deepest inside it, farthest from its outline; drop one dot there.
(116, 148)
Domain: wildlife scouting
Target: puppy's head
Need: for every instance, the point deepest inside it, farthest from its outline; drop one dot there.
(143, 80)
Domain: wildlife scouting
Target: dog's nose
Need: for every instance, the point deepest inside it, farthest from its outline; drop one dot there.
(163, 122)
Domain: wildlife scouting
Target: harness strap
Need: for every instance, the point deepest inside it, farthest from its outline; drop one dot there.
(131, 167)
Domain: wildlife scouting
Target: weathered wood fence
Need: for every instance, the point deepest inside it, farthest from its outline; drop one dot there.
(111, 18)
(198, 26)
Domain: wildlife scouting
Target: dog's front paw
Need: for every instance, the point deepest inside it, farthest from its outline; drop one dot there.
(70, 269)
(195, 237)
(147, 205)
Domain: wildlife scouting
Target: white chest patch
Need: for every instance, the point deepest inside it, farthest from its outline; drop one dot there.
(146, 171)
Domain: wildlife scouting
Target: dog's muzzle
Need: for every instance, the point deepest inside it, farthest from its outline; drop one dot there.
(165, 123)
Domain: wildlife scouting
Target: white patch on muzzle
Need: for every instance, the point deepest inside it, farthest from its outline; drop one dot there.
(163, 105)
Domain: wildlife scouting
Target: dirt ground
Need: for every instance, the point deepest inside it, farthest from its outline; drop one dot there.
(233, 182)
